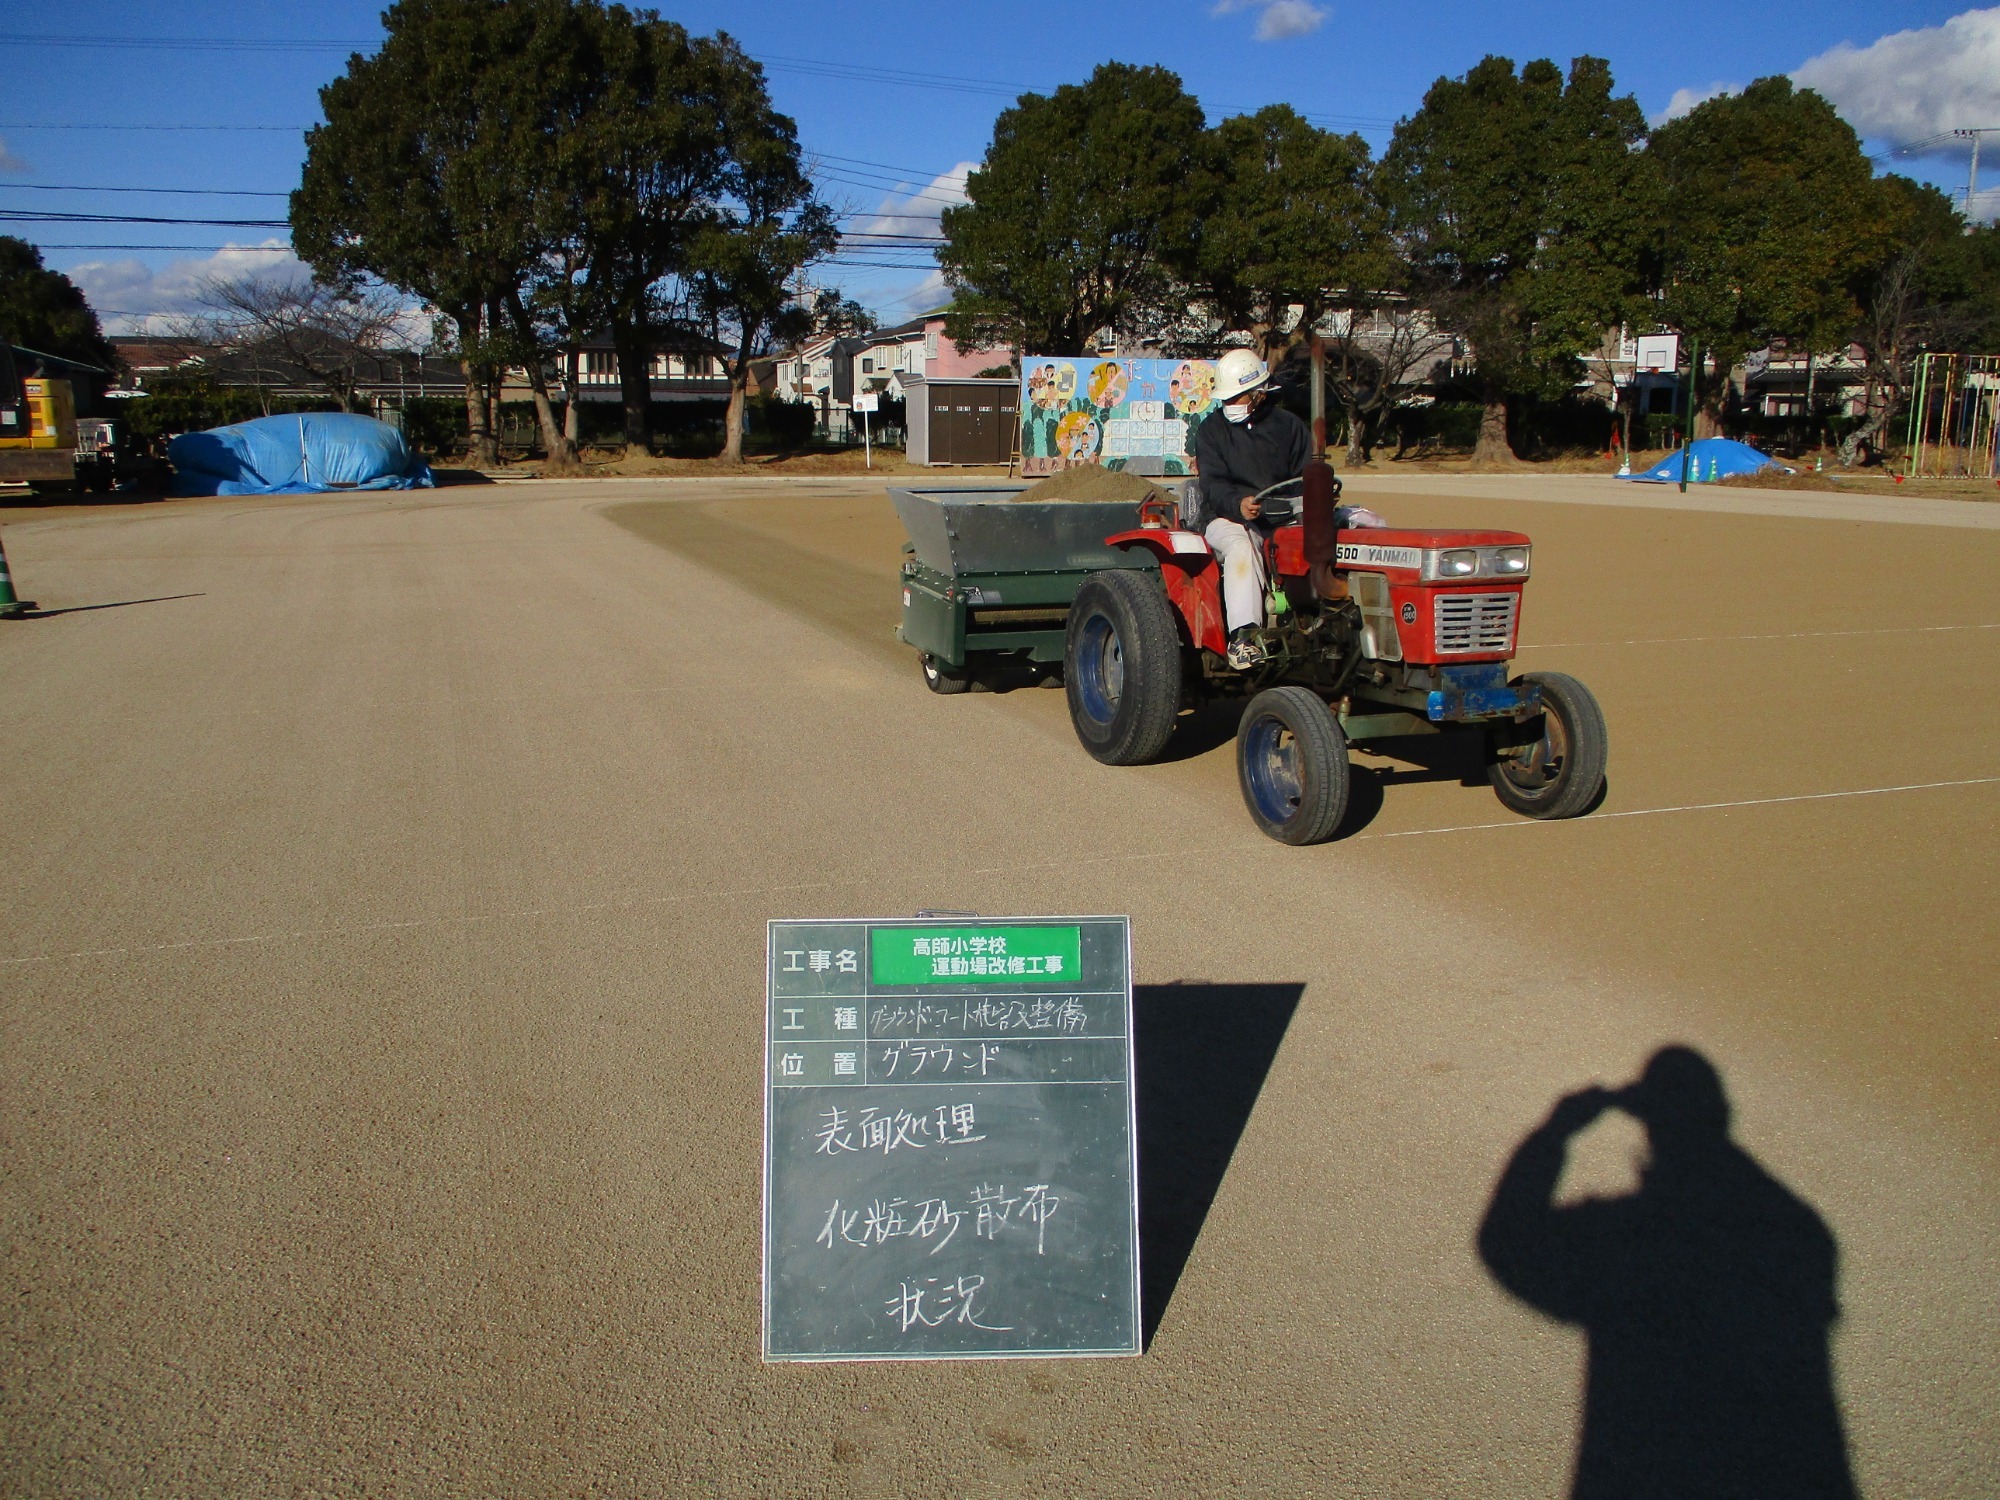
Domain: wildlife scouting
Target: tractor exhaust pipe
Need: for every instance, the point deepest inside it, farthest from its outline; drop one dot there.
(1317, 493)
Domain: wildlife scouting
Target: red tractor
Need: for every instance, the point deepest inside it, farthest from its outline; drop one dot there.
(1372, 634)
(1385, 633)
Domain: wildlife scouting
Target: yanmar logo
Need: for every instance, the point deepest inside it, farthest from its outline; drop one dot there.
(1361, 555)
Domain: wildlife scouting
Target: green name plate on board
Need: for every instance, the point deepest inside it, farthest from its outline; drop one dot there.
(973, 955)
(950, 1161)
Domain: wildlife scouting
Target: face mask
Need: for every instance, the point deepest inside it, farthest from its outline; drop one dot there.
(1236, 413)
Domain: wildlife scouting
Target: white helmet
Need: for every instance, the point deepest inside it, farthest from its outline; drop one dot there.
(1238, 371)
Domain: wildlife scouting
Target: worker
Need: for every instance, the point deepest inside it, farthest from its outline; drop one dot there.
(1246, 445)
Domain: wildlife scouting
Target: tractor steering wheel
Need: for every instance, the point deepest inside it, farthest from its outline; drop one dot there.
(1280, 501)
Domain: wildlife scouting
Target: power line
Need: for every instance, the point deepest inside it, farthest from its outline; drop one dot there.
(778, 62)
(189, 43)
(71, 187)
(24, 216)
(79, 187)
(99, 125)
(198, 249)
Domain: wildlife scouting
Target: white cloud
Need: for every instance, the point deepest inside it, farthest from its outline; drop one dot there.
(915, 214)
(899, 303)
(133, 297)
(1912, 85)
(1283, 19)
(1277, 20)
(1685, 100)
(9, 162)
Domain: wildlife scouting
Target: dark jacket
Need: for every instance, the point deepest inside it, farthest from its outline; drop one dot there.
(1239, 459)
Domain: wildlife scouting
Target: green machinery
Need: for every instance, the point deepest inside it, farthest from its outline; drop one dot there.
(988, 580)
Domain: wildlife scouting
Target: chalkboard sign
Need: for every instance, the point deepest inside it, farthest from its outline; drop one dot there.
(949, 1153)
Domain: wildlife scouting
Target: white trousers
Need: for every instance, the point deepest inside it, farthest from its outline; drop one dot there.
(1242, 557)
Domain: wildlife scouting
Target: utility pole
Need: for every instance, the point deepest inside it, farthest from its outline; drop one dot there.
(1972, 180)
(1687, 438)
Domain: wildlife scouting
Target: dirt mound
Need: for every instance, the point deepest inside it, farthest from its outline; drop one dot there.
(1088, 484)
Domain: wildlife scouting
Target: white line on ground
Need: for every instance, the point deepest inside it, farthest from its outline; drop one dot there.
(1795, 635)
(827, 885)
(1654, 812)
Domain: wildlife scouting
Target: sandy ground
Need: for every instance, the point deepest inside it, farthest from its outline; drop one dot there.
(381, 964)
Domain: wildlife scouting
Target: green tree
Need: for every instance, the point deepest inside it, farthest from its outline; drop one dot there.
(747, 265)
(1771, 214)
(1082, 209)
(1523, 211)
(645, 163)
(747, 262)
(839, 317)
(416, 177)
(1288, 222)
(43, 310)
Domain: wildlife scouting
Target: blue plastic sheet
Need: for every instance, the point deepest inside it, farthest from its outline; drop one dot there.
(297, 454)
(1709, 458)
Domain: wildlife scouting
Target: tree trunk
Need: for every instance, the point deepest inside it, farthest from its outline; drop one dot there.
(633, 344)
(482, 450)
(1879, 403)
(554, 443)
(1492, 446)
(1357, 446)
(572, 419)
(732, 422)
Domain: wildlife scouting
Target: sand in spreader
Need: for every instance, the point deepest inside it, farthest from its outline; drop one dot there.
(1088, 484)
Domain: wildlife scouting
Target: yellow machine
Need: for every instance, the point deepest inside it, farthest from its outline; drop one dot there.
(46, 419)
(37, 431)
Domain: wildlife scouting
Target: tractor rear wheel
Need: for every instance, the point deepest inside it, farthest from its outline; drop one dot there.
(1560, 774)
(1291, 759)
(942, 679)
(1122, 667)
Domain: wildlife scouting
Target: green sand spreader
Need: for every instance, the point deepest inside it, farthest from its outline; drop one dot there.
(988, 580)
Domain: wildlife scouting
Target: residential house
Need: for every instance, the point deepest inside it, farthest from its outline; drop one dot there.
(383, 378)
(829, 371)
(687, 367)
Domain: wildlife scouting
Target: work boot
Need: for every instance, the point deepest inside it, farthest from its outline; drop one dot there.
(1244, 652)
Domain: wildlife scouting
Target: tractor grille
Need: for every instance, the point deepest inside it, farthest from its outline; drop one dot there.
(1475, 622)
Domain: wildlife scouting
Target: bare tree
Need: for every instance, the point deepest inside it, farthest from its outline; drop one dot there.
(283, 332)
(1377, 352)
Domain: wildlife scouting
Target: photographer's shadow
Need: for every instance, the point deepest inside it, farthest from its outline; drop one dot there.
(1707, 1296)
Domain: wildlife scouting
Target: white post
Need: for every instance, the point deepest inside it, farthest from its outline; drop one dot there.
(867, 445)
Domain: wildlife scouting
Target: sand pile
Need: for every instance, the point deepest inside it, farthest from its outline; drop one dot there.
(1088, 484)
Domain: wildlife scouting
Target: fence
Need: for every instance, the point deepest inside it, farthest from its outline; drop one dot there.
(1954, 417)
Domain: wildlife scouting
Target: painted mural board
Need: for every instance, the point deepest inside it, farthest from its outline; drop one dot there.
(1110, 411)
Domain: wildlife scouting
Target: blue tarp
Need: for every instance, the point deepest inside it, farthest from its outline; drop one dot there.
(1709, 458)
(310, 451)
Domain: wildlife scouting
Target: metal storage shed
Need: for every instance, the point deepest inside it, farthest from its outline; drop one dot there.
(961, 420)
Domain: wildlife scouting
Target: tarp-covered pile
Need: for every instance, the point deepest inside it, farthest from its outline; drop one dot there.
(297, 454)
(1709, 458)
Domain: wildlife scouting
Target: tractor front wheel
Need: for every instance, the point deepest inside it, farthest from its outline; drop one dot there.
(1291, 758)
(1122, 667)
(1560, 774)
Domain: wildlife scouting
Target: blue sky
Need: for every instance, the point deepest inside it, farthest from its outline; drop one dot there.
(894, 99)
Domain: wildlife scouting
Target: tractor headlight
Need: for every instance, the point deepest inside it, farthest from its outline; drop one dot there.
(1510, 561)
(1462, 562)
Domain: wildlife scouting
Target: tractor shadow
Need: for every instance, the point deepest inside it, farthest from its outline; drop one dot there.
(1459, 758)
(1203, 729)
(1201, 1053)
